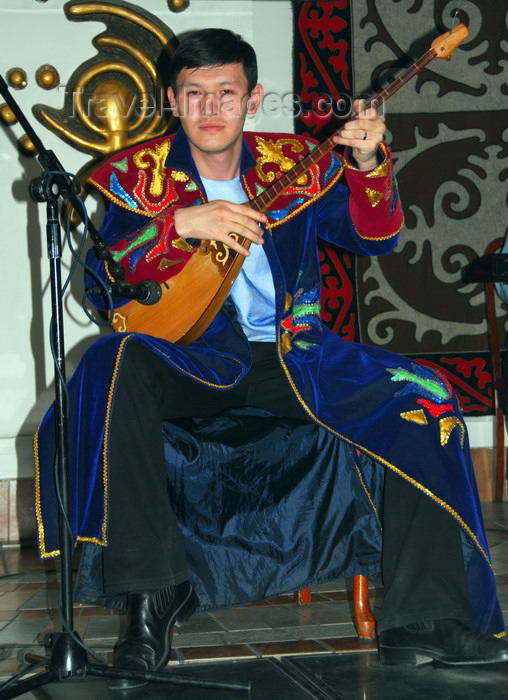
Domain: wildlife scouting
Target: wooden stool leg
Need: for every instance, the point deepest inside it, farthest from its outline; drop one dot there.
(365, 622)
(303, 596)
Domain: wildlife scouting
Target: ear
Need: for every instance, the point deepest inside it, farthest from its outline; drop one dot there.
(172, 102)
(254, 99)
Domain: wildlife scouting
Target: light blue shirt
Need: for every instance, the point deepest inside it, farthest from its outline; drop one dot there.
(253, 292)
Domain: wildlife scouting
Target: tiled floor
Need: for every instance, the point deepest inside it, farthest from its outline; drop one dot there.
(275, 640)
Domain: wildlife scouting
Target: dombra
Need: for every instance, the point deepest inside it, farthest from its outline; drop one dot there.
(192, 298)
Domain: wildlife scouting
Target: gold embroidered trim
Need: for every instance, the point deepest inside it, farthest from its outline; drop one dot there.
(416, 416)
(381, 238)
(370, 173)
(286, 342)
(198, 379)
(158, 156)
(374, 196)
(105, 449)
(110, 276)
(381, 460)
(360, 476)
(182, 244)
(289, 301)
(271, 153)
(380, 171)
(446, 425)
(38, 510)
(165, 264)
(179, 176)
(95, 540)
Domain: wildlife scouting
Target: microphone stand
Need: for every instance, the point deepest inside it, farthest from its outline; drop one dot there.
(69, 659)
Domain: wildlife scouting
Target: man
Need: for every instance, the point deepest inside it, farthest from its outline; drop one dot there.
(275, 354)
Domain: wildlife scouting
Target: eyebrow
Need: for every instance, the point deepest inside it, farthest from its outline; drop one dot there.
(198, 84)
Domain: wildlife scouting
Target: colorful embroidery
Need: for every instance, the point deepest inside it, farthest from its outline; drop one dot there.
(116, 188)
(438, 395)
(434, 410)
(122, 165)
(420, 381)
(169, 197)
(136, 256)
(335, 165)
(307, 309)
(158, 156)
(279, 214)
(162, 245)
(380, 459)
(271, 154)
(311, 189)
(305, 314)
(278, 155)
(146, 236)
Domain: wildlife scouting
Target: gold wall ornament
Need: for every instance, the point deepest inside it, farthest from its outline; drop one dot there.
(116, 99)
(47, 77)
(7, 116)
(16, 78)
(178, 5)
(26, 147)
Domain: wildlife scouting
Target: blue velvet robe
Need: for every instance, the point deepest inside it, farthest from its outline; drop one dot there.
(395, 413)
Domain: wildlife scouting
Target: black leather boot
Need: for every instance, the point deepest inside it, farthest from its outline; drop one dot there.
(146, 644)
(446, 642)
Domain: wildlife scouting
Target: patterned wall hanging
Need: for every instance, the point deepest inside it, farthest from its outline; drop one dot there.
(446, 135)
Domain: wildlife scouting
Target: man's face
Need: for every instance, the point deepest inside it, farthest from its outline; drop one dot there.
(212, 104)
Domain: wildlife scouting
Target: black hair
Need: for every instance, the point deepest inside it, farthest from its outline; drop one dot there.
(214, 47)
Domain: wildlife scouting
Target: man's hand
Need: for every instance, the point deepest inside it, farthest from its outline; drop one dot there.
(363, 135)
(217, 220)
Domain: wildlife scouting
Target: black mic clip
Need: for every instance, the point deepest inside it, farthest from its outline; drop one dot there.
(147, 292)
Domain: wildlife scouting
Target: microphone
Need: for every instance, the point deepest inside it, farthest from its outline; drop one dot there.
(147, 292)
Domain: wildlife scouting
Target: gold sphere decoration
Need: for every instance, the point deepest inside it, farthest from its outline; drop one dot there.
(178, 5)
(16, 78)
(7, 115)
(26, 146)
(47, 77)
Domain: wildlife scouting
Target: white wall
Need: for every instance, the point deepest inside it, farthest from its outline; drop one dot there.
(33, 34)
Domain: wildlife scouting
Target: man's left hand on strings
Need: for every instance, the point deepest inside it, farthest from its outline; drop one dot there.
(363, 135)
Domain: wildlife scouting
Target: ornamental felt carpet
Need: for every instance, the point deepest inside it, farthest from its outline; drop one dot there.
(445, 129)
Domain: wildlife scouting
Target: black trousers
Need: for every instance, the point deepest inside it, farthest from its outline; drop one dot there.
(423, 565)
